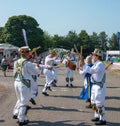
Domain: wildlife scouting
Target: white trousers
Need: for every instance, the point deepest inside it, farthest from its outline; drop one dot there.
(56, 74)
(34, 89)
(98, 98)
(23, 94)
(49, 75)
(69, 74)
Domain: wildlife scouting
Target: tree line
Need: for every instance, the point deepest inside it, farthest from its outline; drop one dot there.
(12, 33)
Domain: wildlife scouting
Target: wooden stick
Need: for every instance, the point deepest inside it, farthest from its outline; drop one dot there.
(76, 49)
(108, 65)
(35, 49)
(79, 55)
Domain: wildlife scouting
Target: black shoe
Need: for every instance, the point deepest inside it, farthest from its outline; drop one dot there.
(54, 85)
(100, 123)
(14, 117)
(55, 81)
(95, 119)
(88, 100)
(48, 88)
(45, 93)
(71, 85)
(89, 106)
(28, 107)
(23, 123)
(33, 101)
(66, 85)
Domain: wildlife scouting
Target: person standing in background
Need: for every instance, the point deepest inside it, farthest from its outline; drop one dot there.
(4, 64)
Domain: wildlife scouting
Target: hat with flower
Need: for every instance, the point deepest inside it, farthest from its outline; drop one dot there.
(24, 50)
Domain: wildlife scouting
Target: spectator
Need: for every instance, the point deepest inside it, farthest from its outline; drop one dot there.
(4, 65)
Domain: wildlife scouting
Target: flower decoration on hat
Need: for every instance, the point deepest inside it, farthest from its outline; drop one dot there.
(30, 55)
(24, 50)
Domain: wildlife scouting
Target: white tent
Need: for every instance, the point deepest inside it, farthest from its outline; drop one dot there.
(7, 49)
(112, 53)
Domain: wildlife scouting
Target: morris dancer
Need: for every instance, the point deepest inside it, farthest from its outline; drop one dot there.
(34, 84)
(49, 72)
(97, 72)
(23, 71)
(69, 72)
(56, 70)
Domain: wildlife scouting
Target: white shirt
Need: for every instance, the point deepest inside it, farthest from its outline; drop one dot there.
(49, 61)
(28, 69)
(97, 70)
(82, 72)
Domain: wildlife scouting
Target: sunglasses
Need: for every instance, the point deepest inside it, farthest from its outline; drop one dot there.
(94, 55)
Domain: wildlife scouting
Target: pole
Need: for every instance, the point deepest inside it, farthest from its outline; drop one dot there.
(119, 42)
(118, 36)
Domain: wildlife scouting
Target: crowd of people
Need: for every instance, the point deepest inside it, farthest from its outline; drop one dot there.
(27, 70)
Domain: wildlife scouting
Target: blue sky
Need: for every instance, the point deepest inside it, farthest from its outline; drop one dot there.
(61, 16)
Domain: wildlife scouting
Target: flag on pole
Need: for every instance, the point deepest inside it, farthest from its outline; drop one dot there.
(25, 37)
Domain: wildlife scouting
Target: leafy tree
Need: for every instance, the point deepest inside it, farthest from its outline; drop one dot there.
(1, 31)
(47, 41)
(103, 41)
(94, 41)
(113, 42)
(85, 42)
(71, 38)
(12, 32)
(60, 42)
(55, 40)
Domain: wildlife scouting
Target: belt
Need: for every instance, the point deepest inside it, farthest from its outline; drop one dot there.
(99, 84)
(18, 80)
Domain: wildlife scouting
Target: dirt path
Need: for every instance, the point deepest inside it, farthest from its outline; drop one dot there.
(63, 107)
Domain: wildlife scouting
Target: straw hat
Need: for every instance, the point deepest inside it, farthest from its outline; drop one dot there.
(68, 51)
(53, 51)
(97, 52)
